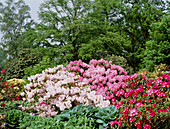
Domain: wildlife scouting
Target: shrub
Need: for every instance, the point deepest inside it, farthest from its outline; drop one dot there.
(145, 102)
(38, 68)
(7, 91)
(56, 89)
(11, 89)
(102, 76)
(22, 120)
(16, 67)
(121, 61)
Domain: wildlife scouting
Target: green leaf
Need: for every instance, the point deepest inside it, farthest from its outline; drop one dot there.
(99, 121)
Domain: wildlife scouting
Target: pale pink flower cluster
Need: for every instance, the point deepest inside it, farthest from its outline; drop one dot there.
(58, 88)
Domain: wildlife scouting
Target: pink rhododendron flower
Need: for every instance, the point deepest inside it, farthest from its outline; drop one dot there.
(2, 71)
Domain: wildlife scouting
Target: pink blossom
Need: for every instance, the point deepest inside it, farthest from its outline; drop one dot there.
(2, 71)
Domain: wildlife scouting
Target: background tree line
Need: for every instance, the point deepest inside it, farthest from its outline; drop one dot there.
(136, 30)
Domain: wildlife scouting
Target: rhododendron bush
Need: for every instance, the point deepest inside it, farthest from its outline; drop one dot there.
(145, 103)
(103, 76)
(56, 90)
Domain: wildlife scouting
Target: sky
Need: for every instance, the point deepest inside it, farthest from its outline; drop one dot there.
(34, 5)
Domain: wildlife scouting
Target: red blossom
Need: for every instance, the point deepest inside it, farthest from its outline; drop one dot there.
(146, 126)
(152, 114)
(112, 123)
(144, 94)
(154, 105)
(3, 83)
(3, 104)
(17, 97)
(149, 100)
(133, 112)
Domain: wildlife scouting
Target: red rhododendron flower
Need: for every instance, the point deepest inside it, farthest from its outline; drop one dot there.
(119, 123)
(133, 112)
(17, 97)
(152, 114)
(3, 104)
(2, 71)
(144, 94)
(112, 123)
(146, 126)
(3, 83)
(12, 98)
(149, 100)
(154, 105)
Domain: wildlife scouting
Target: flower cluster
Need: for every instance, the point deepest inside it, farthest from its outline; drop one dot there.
(56, 90)
(8, 92)
(103, 76)
(145, 102)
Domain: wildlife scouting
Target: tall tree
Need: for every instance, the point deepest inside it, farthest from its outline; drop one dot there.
(61, 22)
(135, 19)
(15, 20)
(158, 48)
(104, 39)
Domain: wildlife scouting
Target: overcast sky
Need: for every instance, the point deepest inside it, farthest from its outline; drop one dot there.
(34, 5)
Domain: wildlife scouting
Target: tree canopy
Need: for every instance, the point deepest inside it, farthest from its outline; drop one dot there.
(69, 30)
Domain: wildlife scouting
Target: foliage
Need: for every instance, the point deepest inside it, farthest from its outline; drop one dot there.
(16, 67)
(1, 58)
(15, 20)
(108, 43)
(55, 90)
(121, 61)
(17, 119)
(38, 68)
(135, 20)
(9, 105)
(159, 70)
(157, 49)
(100, 116)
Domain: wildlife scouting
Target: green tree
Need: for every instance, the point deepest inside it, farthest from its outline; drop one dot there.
(60, 26)
(134, 20)
(1, 59)
(158, 48)
(15, 20)
(102, 38)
